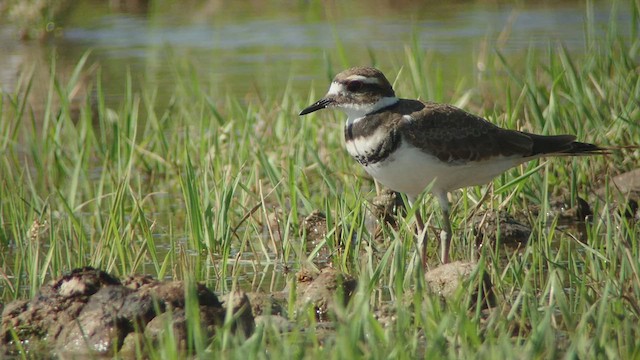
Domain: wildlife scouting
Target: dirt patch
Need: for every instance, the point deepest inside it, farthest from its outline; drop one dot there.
(89, 313)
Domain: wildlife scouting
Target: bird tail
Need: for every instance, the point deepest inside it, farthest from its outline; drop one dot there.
(564, 145)
(580, 148)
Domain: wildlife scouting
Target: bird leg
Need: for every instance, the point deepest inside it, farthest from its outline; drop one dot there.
(422, 238)
(445, 234)
(421, 232)
(445, 237)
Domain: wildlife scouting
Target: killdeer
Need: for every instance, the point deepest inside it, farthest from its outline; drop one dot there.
(408, 145)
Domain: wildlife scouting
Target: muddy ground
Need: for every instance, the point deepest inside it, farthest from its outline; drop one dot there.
(89, 312)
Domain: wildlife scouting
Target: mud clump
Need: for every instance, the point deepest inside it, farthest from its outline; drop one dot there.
(324, 291)
(314, 232)
(91, 313)
(314, 227)
(267, 304)
(627, 184)
(447, 279)
(58, 305)
(561, 210)
(487, 226)
(455, 282)
(88, 313)
(240, 305)
(386, 205)
(566, 214)
(626, 188)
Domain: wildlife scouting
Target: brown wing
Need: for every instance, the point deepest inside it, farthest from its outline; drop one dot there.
(454, 135)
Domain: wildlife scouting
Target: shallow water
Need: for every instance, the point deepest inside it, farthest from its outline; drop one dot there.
(249, 47)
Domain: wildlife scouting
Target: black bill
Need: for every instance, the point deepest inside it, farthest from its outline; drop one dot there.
(318, 105)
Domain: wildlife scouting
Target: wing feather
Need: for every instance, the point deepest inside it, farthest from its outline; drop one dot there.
(454, 135)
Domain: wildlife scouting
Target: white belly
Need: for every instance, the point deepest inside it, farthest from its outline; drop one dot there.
(410, 171)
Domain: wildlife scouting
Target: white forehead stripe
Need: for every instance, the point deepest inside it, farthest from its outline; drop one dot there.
(364, 79)
(335, 89)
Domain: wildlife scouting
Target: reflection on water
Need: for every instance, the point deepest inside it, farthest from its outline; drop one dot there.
(244, 46)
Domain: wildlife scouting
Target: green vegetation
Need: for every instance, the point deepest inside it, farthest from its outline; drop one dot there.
(215, 190)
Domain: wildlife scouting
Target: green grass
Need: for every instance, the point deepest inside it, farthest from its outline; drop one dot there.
(211, 189)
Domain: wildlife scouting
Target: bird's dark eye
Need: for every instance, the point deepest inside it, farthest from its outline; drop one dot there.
(354, 85)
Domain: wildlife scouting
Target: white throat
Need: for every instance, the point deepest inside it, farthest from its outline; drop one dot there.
(356, 112)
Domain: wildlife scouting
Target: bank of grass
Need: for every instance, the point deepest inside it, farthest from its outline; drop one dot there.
(215, 190)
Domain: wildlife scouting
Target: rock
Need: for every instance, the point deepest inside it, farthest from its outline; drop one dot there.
(140, 308)
(156, 329)
(169, 298)
(446, 279)
(13, 319)
(324, 290)
(80, 282)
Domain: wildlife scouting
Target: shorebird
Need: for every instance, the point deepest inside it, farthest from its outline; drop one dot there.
(408, 144)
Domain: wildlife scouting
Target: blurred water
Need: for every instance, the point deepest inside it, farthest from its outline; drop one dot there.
(244, 46)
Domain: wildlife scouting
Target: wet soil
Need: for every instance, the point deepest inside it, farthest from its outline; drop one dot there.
(89, 313)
